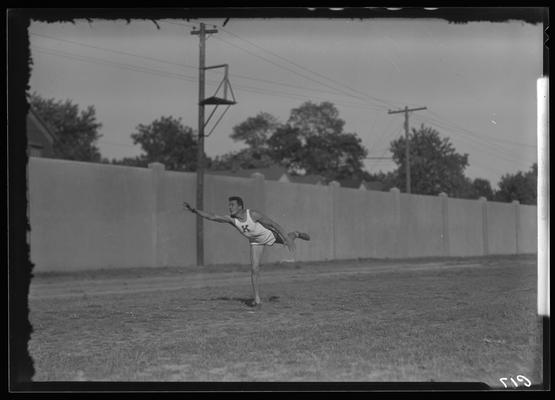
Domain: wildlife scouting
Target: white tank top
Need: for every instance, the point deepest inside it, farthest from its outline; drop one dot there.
(254, 231)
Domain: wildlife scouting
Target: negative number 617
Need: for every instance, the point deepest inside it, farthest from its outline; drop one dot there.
(519, 378)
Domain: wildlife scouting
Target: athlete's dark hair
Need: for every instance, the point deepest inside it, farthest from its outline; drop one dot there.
(238, 200)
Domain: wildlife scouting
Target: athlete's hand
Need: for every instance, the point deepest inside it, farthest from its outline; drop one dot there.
(188, 207)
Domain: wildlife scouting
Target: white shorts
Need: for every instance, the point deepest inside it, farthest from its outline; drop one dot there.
(270, 241)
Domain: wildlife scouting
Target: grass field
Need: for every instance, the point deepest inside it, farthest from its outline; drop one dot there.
(452, 320)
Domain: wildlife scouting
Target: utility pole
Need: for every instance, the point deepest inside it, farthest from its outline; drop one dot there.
(202, 32)
(407, 146)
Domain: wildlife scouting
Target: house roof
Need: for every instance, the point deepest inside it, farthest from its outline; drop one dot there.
(350, 183)
(310, 179)
(273, 173)
(277, 172)
(360, 183)
(36, 127)
(373, 185)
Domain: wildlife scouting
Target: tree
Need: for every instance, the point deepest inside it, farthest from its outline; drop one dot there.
(165, 140)
(472, 189)
(435, 165)
(389, 180)
(482, 188)
(313, 142)
(316, 119)
(334, 156)
(256, 131)
(76, 130)
(286, 148)
(520, 186)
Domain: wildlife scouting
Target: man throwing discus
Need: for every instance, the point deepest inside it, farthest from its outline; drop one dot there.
(260, 230)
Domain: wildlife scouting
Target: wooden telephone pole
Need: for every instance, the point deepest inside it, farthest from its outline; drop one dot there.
(202, 32)
(407, 147)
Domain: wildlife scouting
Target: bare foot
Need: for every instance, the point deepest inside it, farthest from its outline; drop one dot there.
(255, 303)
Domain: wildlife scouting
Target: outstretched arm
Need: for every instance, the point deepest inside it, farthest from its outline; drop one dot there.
(208, 216)
(269, 223)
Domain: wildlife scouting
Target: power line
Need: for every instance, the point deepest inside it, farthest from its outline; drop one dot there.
(174, 75)
(299, 96)
(473, 162)
(385, 102)
(285, 59)
(483, 136)
(384, 132)
(180, 23)
(125, 53)
(99, 61)
(478, 146)
(481, 147)
(481, 144)
(157, 72)
(397, 131)
(182, 65)
(483, 141)
(290, 86)
(486, 140)
(406, 111)
(255, 79)
(193, 67)
(316, 73)
(486, 168)
(337, 91)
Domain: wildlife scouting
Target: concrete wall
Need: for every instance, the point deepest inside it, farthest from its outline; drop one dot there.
(302, 207)
(366, 224)
(528, 229)
(85, 215)
(90, 216)
(501, 228)
(176, 237)
(465, 228)
(421, 226)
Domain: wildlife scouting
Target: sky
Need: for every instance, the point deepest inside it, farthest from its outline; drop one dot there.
(477, 80)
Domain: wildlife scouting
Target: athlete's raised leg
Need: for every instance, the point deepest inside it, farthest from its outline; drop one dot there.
(300, 235)
(292, 236)
(256, 256)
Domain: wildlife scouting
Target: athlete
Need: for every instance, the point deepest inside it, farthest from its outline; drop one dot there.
(260, 230)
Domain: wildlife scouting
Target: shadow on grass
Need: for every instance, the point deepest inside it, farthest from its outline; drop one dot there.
(246, 301)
